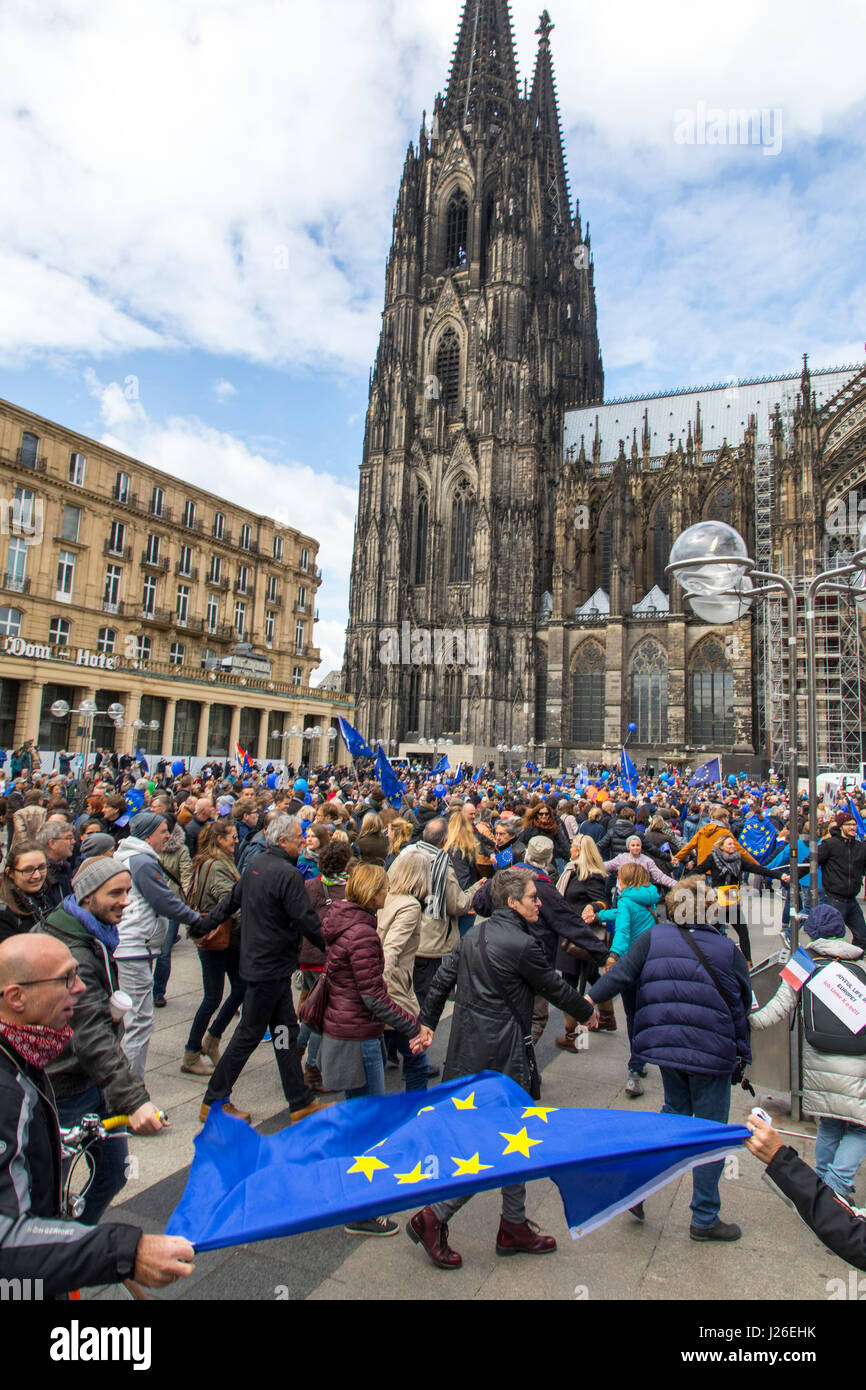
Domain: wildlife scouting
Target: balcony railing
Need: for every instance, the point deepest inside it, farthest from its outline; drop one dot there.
(274, 600)
(192, 524)
(247, 591)
(115, 608)
(223, 632)
(14, 584)
(159, 617)
(154, 564)
(165, 513)
(223, 582)
(224, 539)
(37, 465)
(189, 623)
(123, 552)
(191, 574)
(130, 500)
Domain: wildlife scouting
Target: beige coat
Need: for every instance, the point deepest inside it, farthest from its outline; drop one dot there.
(399, 927)
(439, 935)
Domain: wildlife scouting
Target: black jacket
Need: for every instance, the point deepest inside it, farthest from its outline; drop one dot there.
(556, 919)
(823, 1211)
(558, 838)
(275, 911)
(34, 1242)
(13, 922)
(842, 863)
(621, 831)
(484, 1032)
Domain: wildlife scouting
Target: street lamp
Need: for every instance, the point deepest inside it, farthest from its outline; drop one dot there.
(88, 711)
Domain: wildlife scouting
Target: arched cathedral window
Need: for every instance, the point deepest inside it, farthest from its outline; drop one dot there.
(712, 703)
(452, 702)
(421, 523)
(448, 371)
(587, 697)
(605, 535)
(661, 542)
(649, 694)
(413, 705)
(456, 227)
(720, 505)
(462, 529)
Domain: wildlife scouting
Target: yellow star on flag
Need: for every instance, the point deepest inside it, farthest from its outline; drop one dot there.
(415, 1176)
(468, 1165)
(541, 1111)
(519, 1143)
(366, 1164)
(467, 1104)
(423, 1108)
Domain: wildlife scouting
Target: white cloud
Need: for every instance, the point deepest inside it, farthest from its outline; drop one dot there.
(223, 390)
(317, 504)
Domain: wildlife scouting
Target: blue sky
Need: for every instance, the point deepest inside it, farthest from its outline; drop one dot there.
(192, 255)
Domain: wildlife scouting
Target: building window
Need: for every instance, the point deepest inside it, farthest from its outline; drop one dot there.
(184, 564)
(106, 641)
(157, 501)
(712, 712)
(143, 648)
(216, 569)
(243, 579)
(270, 625)
(212, 614)
(604, 544)
(462, 528)
(451, 714)
(176, 653)
(299, 637)
(241, 619)
(649, 694)
(111, 597)
(77, 466)
(58, 632)
(29, 449)
(720, 505)
(16, 564)
(71, 524)
(148, 596)
(219, 526)
(305, 560)
(661, 541)
(448, 371)
(271, 592)
(414, 704)
(245, 538)
(302, 599)
(182, 603)
(587, 697)
(22, 511)
(421, 522)
(151, 554)
(456, 225)
(278, 547)
(121, 487)
(117, 537)
(207, 654)
(65, 575)
(10, 622)
(189, 513)
(297, 675)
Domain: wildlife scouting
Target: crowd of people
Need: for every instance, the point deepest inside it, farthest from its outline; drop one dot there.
(507, 894)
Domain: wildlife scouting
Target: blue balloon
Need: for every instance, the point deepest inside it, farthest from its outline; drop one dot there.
(272, 780)
(632, 728)
(605, 776)
(177, 767)
(732, 779)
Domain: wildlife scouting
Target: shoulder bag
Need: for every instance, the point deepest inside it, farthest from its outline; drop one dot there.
(220, 938)
(526, 1038)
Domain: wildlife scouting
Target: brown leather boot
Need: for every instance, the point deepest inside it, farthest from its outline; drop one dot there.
(568, 1041)
(228, 1109)
(425, 1228)
(522, 1238)
(606, 1017)
(311, 1109)
(313, 1079)
(195, 1064)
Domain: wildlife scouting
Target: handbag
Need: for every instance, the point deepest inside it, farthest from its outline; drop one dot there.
(220, 938)
(312, 1011)
(526, 1038)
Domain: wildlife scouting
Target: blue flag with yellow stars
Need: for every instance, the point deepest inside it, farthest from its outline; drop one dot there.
(134, 800)
(383, 1154)
(758, 836)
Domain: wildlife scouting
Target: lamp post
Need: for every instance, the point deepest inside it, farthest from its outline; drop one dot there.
(88, 712)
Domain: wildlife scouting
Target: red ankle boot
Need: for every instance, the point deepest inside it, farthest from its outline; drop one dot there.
(522, 1238)
(425, 1228)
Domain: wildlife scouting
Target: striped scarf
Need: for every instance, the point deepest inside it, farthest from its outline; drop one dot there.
(435, 906)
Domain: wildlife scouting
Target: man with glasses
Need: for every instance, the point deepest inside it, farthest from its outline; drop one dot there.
(40, 990)
(57, 838)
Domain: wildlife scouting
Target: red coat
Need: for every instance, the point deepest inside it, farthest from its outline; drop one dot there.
(359, 1005)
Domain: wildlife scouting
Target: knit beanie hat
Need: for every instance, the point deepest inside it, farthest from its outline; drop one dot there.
(92, 874)
(539, 850)
(825, 921)
(94, 845)
(145, 823)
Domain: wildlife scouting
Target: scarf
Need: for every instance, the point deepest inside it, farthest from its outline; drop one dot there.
(34, 1042)
(107, 935)
(727, 863)
(438, 876)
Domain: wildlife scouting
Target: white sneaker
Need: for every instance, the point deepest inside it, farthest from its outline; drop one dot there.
(633, 1086)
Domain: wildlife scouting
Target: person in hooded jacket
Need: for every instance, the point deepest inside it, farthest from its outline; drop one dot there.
(834, 1084)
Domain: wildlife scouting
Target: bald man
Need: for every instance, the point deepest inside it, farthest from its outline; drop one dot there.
(39, 990)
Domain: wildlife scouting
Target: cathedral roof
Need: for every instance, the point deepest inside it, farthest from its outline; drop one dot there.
(721, 412)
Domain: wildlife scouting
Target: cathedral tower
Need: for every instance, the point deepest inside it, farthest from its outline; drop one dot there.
(488, 333)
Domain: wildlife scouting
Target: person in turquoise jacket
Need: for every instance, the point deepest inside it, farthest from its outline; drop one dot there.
(634, 914)
(783, 858)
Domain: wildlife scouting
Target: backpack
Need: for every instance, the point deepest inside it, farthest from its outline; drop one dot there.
(823, 1030)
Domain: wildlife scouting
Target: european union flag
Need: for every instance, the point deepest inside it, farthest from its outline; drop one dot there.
(391, 785)
(758, 836)
(627, 772)
(479, 774)
(353, 740)
(381, 1154)
(861, 824)
(710, 771)
(134, 800)
(442, 766)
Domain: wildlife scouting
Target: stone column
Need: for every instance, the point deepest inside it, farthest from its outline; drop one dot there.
(261, 753)
(168, 727)
(29, 710)
(615, 676)
(234, 732)
(203, 727)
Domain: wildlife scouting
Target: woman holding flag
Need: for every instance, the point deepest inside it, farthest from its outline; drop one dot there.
(725, 866)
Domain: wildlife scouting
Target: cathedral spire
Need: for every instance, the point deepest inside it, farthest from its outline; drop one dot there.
(482, 85)
(544, 120)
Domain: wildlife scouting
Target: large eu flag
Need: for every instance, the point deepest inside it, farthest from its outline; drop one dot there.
(353, 740)
(708, 772)
(381, 1154)
(758, 836)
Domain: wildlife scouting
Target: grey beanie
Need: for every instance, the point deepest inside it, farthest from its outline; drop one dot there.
(94, 845)
(93, 873)
(145, 823)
